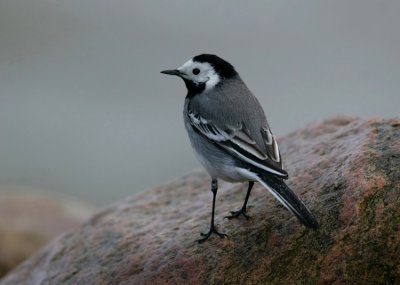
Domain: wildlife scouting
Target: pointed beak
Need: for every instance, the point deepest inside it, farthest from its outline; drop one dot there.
(172, 72)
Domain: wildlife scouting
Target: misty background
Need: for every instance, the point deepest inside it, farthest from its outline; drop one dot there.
(84, 110)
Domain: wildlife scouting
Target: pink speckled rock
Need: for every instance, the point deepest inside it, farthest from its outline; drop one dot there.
(346, 169)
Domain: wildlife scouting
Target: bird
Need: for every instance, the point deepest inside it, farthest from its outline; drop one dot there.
(231, 137)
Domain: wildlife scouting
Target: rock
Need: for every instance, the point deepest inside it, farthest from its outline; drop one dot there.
(29, 219)
(346, 169)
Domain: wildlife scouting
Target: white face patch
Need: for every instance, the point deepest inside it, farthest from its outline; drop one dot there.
(206, 75)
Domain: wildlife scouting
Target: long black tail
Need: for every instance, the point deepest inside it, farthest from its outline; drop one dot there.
(288, 198)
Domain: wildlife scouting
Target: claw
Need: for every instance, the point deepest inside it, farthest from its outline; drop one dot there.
(236, 214)
(206, 236)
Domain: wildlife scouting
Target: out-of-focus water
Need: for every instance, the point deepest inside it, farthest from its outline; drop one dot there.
(84, 110)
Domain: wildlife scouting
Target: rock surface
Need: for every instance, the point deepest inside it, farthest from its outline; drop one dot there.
(345, 169)
(29, 219)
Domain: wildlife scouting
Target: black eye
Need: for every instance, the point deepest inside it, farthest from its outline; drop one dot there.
(195, 71)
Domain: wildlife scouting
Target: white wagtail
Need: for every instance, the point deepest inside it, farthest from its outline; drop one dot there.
(230, 134)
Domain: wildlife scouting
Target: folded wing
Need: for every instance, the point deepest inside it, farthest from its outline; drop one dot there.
(238, 142)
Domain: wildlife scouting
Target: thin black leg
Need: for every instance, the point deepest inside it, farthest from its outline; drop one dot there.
(242, 211)
(214, 189)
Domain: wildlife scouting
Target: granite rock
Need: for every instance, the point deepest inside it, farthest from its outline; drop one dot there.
(345, 169)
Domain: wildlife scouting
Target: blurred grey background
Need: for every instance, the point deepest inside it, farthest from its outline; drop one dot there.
(84, 110)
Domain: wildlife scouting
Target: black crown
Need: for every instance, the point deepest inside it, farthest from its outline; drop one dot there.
(222, 67)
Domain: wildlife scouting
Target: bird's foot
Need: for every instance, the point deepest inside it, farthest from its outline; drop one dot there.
(212, 230)
(236, 214)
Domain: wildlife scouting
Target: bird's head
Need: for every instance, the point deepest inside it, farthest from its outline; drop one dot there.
(203, 72)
